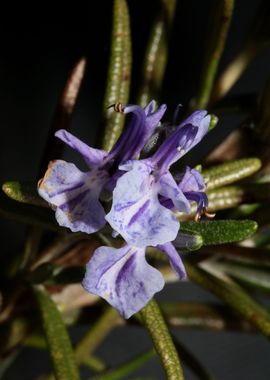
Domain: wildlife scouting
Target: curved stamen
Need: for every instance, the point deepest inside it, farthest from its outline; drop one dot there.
(118, 107)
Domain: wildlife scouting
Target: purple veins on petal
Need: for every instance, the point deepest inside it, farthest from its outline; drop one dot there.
(60, 178)
(198, 119)
(128, 144)
(75, 195)
(136, 211)
(185, 137)
(123, 278)
(174, 147)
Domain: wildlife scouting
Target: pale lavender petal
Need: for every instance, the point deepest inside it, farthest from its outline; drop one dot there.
(123, 278)
(175, 259)
(150, 107)
(152, 120)
(83, 213)
(198, 119)
(193, 186)
(192, 180)
(136, 212)
(93, 157)
(60, 178)
(75, 195)
(170, 190)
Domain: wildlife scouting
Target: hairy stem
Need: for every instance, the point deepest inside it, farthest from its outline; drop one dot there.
(152, 319)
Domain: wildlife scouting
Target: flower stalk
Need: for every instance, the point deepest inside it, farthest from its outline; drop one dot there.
(151, 317)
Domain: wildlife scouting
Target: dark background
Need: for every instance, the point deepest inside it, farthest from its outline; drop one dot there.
(38, 47)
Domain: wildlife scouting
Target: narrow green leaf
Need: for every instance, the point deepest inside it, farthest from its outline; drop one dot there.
(28, 214)
(218, 29)
(256, 41)
(225, 197)
(221, 231)
(233, 295)
(126, 369)
(232, 196)
(203, 316)
(230, 172)
(95, 364)
(151, 317)
(96, 334)
(156, 55)
(25, 192)
(38, 342)
(119, 73)
(13, 332)
(57, 337)
(247, 275)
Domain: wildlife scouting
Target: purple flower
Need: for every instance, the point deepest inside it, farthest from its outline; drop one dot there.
(145, 197)
(193, 186)
(138, 210)
(124, 278)
(191, 183)
(75, 194)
